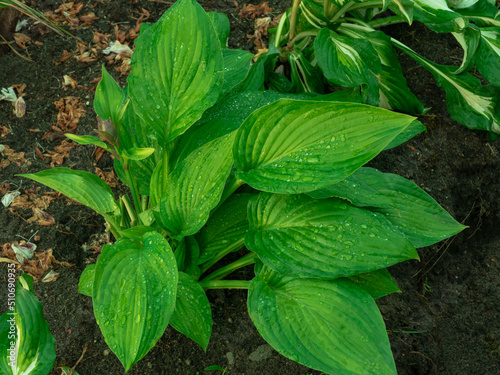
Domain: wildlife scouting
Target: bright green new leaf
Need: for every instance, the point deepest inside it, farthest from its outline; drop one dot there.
(87, 140)
(292, 147)
(328, 238)
(422, 220)
(138, 153)
(192, 315)
(86, 283)
(109, 98)
(25, 334)
(348, 62)
(134, 295)
(378, 283)
(177, 70)
(84, 187)
(331, 326)
(488, 55)
(468, 102)
(195, 187)
(225, 229)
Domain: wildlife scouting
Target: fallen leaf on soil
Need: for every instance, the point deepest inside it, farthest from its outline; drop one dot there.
(21, 39)
(88, 18)
(41, 217)
(4, 132)
(19, 107)
(50, 276)
(23, 251)
(66, 14)
(60, 152)
(35, 267)
(70, 111)
(11, 156)
(107, 177)
(66, 55)
(9, 197)
(252, 11)
(68, 81)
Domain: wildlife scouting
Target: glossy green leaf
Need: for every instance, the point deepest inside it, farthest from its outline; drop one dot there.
(488, 55)
(292, 147)
(236, 67)
(331, 326)
(222, 119)
(86, 283)
(225, 229)
(108, 98)
(415, 128)
(187, 254)
(348, 62)
(403, 8)
(195, 187)
(138, 153)
(87, 140)
(264, 66)
(305, 77)
(326, 238)
(408, 207)
(394, 92)
(436, 14)
(378, 283)
(468, 102)
(84, 187)
(25, 334)
(134, 295)
(221, 26)
(468, 37)
(177, 70)
(135, 133)
(192, 315)
(136, 233)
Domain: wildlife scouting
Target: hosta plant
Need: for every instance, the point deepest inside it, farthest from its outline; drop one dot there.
(215, 167)
(335, 44)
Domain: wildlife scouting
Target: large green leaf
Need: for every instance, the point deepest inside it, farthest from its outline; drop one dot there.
(468, 102)
(348, 62)
(412, 210)
(225, 229)
(221, 26)
(326, 238)
(195, 187)
(177, 70)
(134, 294)
(436, 14)
(26, 343)
(84, 187)
(488, 54)
(236, 67)
(331, 326)
(299, 146)
(192, 315)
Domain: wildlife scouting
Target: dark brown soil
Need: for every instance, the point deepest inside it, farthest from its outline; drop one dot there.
(446, 321)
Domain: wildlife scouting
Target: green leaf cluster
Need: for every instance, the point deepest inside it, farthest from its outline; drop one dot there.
(217, 165)
(340, 40)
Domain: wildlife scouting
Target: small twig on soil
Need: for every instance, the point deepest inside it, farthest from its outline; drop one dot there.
(13, 49)
(77, 362)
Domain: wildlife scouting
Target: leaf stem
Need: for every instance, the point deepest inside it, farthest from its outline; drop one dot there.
(134, 191)
(293, 19)
(133, 215)
(386, 21)
(226, 284)
(222, 272)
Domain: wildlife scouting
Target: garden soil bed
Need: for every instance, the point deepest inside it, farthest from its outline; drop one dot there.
(446, 321)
